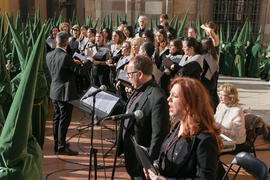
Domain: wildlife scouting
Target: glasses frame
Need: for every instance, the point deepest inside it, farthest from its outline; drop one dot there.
(130, 73)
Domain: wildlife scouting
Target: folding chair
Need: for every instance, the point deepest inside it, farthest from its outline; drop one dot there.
(250, 164)
(255, 126)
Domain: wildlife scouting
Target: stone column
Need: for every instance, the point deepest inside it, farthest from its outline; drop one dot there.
(265, 23)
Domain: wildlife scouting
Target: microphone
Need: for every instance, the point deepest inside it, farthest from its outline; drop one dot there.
(138, 114)
(101, 88)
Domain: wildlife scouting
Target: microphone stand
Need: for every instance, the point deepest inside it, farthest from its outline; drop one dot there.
(120, 132)
(93, 151)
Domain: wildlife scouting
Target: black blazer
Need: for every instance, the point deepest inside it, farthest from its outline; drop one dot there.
(62, 69)
(149, 131)
(190, 159)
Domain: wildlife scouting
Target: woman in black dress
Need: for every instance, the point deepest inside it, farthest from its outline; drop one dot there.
(191, 150)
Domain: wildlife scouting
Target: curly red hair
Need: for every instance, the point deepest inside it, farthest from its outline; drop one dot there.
(199, 117)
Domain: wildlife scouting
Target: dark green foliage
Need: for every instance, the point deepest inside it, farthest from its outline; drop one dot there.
(176, 23)
(198, 27)
(182, 26)
(151, 24)
(89, 21)
(156, 21)
(171, 21)
(125, 17)
(59, 20)
(95, 26)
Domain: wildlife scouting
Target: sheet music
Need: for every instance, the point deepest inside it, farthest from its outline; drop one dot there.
(228, 143)
(105, 102)
(81, 57)
(122, 75)
(226, 138)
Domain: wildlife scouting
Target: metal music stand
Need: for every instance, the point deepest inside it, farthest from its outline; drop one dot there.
(100, 104)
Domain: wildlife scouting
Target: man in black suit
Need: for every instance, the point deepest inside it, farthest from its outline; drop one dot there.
(154, 126)
(63, 89)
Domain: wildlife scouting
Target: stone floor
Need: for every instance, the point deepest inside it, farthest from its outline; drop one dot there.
(254, 96)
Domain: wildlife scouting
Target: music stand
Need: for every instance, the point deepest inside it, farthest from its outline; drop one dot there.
(102, 105)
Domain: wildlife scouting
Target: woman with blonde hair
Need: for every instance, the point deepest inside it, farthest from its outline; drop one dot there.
(191, 149)
(64, 26)
(135, 46)
(229, 115)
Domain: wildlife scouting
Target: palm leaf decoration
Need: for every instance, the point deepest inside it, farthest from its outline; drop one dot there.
(125, 17)
(228, 34)
(136, 22)
(171, 21)
(71, 22)
(95, 26)
(198, 27)
(20, 47)
(235, 35)
(117, 21)
(176, 23)
(182, 25)
(89, 21)
(156, 21)
(111, 24)
(240, 37)
(59, 21)
(151, 24)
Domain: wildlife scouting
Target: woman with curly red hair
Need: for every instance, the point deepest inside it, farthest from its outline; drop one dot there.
(191, 149)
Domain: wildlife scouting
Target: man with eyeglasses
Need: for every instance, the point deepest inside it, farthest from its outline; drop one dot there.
(154, 126)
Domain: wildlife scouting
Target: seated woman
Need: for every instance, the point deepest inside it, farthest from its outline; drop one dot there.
(229, 115)
(191, 150)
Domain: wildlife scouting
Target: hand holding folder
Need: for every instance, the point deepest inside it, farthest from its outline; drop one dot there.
(143, 157)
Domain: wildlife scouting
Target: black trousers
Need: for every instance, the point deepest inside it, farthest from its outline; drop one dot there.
(61, 120)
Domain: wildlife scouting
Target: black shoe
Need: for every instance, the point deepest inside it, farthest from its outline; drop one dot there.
(66, 151)
(96, 122)
(56, 148)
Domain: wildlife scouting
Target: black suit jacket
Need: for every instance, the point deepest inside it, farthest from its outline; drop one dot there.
(62, 69)
(149, 131)
(190, 159)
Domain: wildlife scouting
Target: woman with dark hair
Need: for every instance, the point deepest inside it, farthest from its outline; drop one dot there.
(162, 44)
(176, 54)
(83, 39)
(99, 55)
(210, 73)
(211, 30)
(148, 36)
(191, 150)
(50, 41)
(192, 32)
(191, 64)
(128, 32)
(107, 34)
(118, 38)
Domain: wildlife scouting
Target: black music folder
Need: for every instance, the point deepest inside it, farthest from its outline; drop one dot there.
(168, 62)
(143, 156)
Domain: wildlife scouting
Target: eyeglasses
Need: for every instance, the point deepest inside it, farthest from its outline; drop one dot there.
(225, 95)
(130, 73)
(75, 29)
